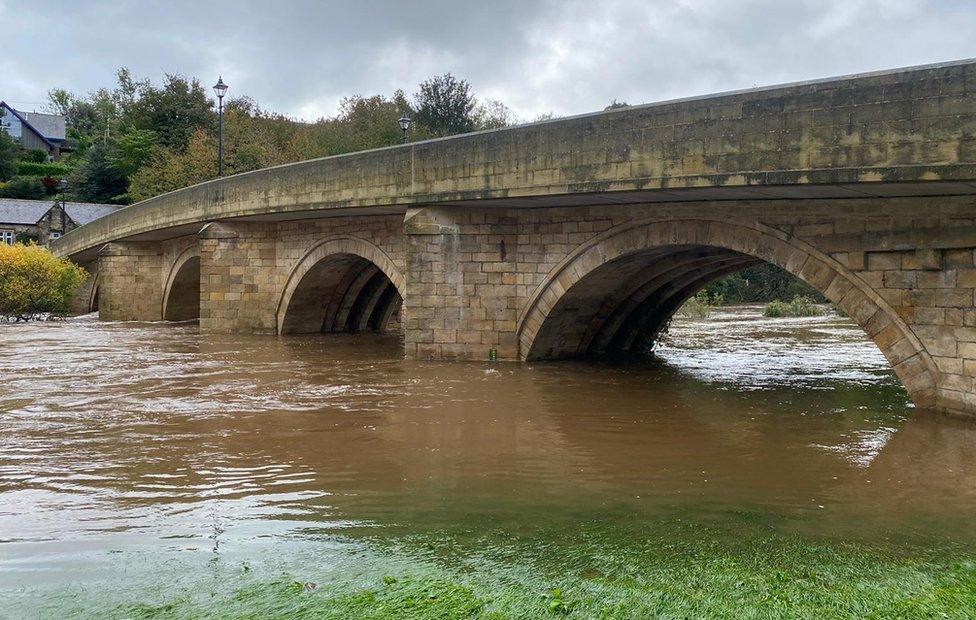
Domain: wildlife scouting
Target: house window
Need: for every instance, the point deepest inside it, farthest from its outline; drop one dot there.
(10, 124)
(7, 236)
(55, 235)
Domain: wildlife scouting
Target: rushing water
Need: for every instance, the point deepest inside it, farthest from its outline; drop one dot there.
(152, 458)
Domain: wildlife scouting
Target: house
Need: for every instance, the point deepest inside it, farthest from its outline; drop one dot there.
(34, 130)
(46, 220)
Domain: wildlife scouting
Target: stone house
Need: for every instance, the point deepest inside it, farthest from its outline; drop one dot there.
(46, 220)
(35, 130)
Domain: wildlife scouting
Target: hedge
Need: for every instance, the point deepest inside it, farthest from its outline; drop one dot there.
(32, 169)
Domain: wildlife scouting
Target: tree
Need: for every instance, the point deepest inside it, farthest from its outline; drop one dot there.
(173, 112)
(132, 150)
(171, 170)
(493, 114)
(9, 154)
(97, 179)
(34, 282)
(762, 283)
(26, 188)
(445, 105)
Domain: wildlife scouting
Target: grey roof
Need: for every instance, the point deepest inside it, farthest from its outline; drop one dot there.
(27, 212)
(51, 126)
(84, 212)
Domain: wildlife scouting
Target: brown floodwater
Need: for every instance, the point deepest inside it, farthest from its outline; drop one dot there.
(125, 446)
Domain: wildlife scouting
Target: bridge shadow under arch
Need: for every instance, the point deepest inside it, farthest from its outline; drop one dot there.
(342, 285)
(616, 292)
(93, 294)
(181, 295)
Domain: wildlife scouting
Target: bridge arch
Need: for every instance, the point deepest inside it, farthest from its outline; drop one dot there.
(341, 284)
(181, 293)
(93, 293)
(616, 291)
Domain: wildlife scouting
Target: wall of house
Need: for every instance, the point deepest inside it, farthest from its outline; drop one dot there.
(55, 220)
(30, 229)
(30, 140)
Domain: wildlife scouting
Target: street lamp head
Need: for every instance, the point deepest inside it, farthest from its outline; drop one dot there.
(63, 184)
(220, 88)
(404, 122)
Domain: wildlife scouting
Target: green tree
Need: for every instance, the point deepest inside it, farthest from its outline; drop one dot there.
(34, 282)
(763, 283)
(27, 188)
(132, 150)
(98, 179)
(9, 155)
(173, 112)
(445, 105)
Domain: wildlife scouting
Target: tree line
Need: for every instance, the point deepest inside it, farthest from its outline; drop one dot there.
(139, 139)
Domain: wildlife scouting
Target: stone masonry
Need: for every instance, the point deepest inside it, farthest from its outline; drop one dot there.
(581, 236)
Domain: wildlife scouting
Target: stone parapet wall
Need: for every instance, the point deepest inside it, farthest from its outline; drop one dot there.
(915, 125)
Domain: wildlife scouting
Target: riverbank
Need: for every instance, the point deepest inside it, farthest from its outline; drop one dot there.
(678, 568)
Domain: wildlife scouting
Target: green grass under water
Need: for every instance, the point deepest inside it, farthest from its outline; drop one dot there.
(669, 571)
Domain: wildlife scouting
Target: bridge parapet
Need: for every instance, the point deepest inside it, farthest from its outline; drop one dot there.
(903, 132)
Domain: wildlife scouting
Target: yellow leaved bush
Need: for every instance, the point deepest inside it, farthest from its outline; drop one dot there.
(34, 282)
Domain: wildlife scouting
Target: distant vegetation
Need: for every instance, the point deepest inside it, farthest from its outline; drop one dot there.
(785, 294)
(140, 139)
(761, 284)
(35, 283)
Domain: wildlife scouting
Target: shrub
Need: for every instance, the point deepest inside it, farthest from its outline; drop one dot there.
(698, 307)
(25, 237)
(50, 185)
(38, 156)
(34, 282)
(30, 168)
(23, 187)
(797, 307)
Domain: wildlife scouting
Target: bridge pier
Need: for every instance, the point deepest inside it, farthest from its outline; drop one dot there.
(130, 281)
(461, 296)
(238, 278)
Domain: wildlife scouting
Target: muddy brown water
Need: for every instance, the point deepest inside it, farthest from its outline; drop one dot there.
(122, 441)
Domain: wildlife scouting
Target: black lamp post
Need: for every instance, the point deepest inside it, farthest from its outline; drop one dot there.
(220, 89)
(404, 125)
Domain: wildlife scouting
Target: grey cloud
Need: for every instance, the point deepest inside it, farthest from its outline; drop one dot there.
(569, 56)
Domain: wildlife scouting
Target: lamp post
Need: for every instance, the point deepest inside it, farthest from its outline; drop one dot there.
(404, 125)
(220, 89)
(62, 185)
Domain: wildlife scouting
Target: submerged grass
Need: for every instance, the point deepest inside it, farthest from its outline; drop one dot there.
(596, 573)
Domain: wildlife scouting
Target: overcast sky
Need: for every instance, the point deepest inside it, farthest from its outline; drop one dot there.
(569, 56)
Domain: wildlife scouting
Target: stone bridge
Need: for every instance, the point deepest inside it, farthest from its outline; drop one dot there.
(582, 235)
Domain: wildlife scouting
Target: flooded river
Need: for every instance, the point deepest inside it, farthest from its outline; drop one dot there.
(147, 464)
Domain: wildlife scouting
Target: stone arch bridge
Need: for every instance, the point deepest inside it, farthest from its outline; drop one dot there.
(583, 235)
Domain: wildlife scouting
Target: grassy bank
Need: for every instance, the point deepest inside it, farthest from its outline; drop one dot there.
(664, 572)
